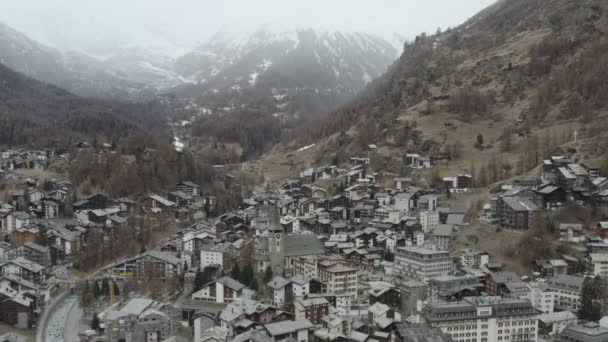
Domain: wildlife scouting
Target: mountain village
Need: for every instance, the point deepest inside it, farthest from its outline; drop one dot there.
(331, 254)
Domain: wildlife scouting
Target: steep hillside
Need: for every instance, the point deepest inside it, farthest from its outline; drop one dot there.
(32, 112)
(298, 72)
(508, 84)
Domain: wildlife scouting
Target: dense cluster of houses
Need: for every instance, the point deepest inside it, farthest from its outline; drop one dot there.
(43, 228)
(370, 258)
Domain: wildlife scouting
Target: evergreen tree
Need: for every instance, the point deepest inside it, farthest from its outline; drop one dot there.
(105, 287)
(142, 249)
(95, 322)
(591, 309)
(198, 279)
(185, 267)
(116, 289)
(248, 275)
(254, 284)
(389, 256)
(268, 274)
(236, 272)
(95, 289)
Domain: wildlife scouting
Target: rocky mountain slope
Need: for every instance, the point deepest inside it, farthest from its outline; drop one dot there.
(507, 84)
(298, 72)
(77, 72)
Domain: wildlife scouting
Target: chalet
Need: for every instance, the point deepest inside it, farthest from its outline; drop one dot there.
(35, 196)
(496, 282)
(23, 268)
(296, 330)
(459, 183)
(416, 161)
(95, 201)
(24, 234)
(571, 232)
(102, 216)
(160, 206)
(400, 183)
(151, 264)
(602, 229)
(31, 251)
(551, 196)
(189, 188)
(312, 309)
(181, 199)
(17, 199)
(223, 290)
(245, 310)
(531, 182)
(50, 208)
(69, 240)
(387, 213)
(518, 213)
(126, 205)
(385, 293)
(340, 201)
(15, 308)
(14, 220)
(592, 169)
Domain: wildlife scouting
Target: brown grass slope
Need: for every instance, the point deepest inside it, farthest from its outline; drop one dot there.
(519, 66)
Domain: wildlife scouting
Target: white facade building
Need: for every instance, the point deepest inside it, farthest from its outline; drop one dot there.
(423, 263)
(485, 319)
(429, 220)
(541, 297)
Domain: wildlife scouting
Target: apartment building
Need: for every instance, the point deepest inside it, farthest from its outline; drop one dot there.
(423, 263)
(485, 319)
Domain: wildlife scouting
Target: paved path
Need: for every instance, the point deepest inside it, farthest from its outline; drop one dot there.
(55, 330)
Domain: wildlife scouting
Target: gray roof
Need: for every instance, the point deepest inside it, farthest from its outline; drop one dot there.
(566, 282)
(455, 219)
(520, 203)
(134, 306)
(36, 247)
(278, 282)
(286, 327)
(588, 332)
(240, 307)
(229, 282)
(506, 277)
(251, 335)
(302, 244)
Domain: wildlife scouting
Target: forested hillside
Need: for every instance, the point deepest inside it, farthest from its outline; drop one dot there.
(36, 113)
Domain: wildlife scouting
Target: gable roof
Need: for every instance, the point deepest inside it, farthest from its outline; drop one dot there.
(286, 327)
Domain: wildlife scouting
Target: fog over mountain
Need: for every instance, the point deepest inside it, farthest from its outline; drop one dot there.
(176, 27)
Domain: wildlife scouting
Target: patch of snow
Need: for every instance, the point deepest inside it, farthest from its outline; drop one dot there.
(306, 147)
(179, 145)
(253, 78)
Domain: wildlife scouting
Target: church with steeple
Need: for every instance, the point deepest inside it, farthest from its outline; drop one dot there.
(276, 243)
(277, 249)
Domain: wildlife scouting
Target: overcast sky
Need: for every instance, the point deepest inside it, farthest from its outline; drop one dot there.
(178, 25)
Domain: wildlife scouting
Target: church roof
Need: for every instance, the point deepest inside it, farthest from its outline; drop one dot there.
(302, 244)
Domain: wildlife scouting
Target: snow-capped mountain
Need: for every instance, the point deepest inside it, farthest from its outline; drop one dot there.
(302, 70)
(76, 72)
(293, 71)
